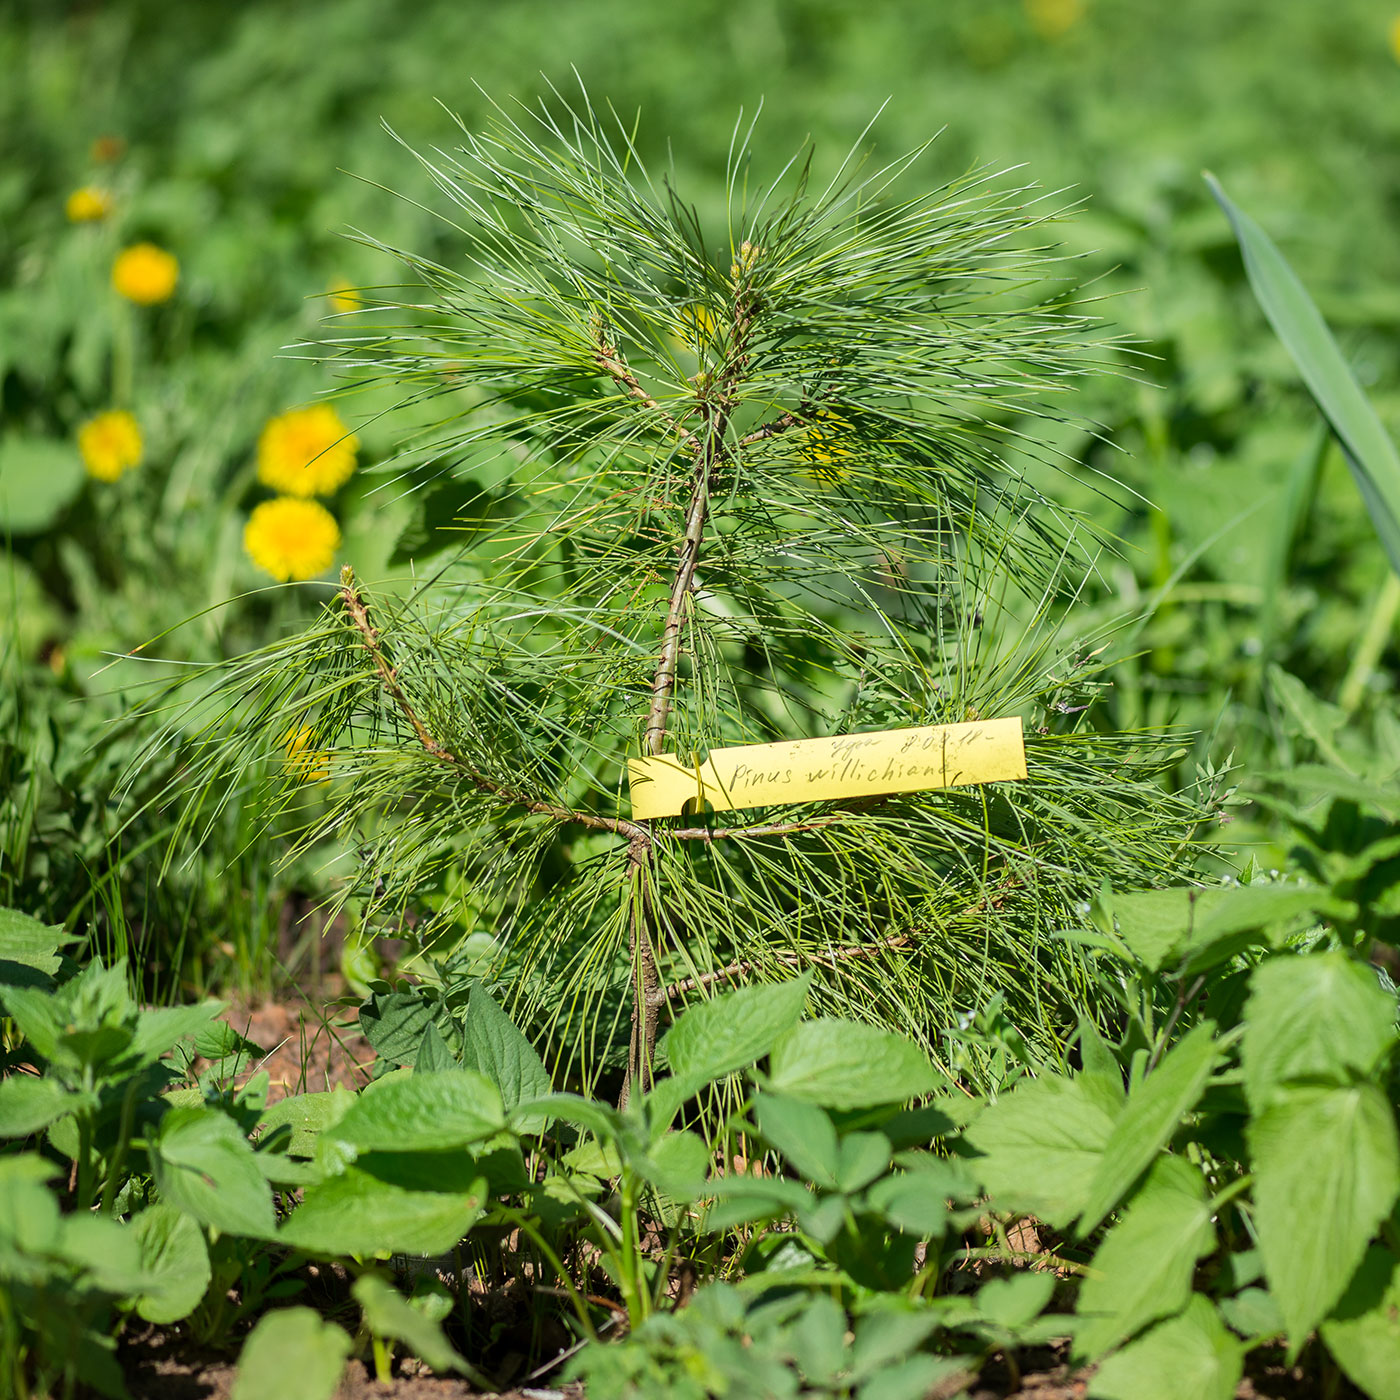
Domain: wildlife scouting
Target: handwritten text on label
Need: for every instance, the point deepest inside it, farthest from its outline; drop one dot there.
(814, 770)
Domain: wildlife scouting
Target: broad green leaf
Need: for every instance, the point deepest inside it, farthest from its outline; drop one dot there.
(739, 1199)
(887, 1335)
(862, 1158)
(1363, 1332)
(387, 1313)
(174, 1263)
(1043, 1143)
(106, 1252)
(37, 1015)
(846, 1064)
(1099, 1062)
(29, 943)
(1014, 1302)
(1369, 451)
(356, 1213)
(30, 1223)
(1327, 1171)
(203, 1164)
(1252, 1312)
(433, 1053)
(217, 1040)
(917, 1377)
(1146, 1125)
(423, 1113)
(39, 479)
(1189, 1357)
(28, 1103)
(1239, 917)
(158, 1030)
(597, 1118)
(1201, 928)
(1314, 1016)
(916, 1198)
(1154, 923)
(818, 1336)
(678, 1165)
(504, 1056)
(394, 1022)
(292, 1351)
(803, 1133)
(728, 1033)
(308, 1116)
(1142, 1271)
(1317, 779)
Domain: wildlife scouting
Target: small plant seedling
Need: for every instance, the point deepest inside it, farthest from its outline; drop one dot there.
(689, 487)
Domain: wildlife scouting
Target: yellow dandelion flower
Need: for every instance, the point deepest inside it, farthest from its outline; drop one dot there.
(145, 274)
(306, 452)
(1395, 38)
(110, 444)
(343, 297)
(1052, 18)
(302, 763)
(88, 205)
(291, 538)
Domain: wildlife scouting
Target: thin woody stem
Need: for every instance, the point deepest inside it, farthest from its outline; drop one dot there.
(839, 955)
(610, 361)
(734, 833)
(359, 616)
(648, 995)
(767, 430)
(664, 680)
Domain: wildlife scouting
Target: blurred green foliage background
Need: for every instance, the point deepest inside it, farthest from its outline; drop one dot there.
(248, 140)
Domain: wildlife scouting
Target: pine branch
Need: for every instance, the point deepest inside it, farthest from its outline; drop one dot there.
(768, 430)
(717, 410)
(359, 616)
(610, 361)
(734, 833)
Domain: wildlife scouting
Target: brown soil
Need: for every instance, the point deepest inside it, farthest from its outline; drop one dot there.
(309, 1044)
(161, 1367)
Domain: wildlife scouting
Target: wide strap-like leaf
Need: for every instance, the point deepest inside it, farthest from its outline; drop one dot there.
(1369, 451)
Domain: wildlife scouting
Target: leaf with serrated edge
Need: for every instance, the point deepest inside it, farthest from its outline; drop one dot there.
(846, 1064)
(728, 1033)
(423, 1113)
(205, 1165)
(1145, 1126)
(1189, 1357)
(1327, 1171)
(1363, 1333)
(355, 1213)
(1043, 1143)
(1320, 1016)
(1142, 1271)
(174, 1260)
(504, 1055)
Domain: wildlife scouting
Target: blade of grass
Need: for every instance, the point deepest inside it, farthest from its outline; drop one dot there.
(1368, 449)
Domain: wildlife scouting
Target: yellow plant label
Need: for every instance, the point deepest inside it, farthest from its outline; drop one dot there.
(815, 770)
